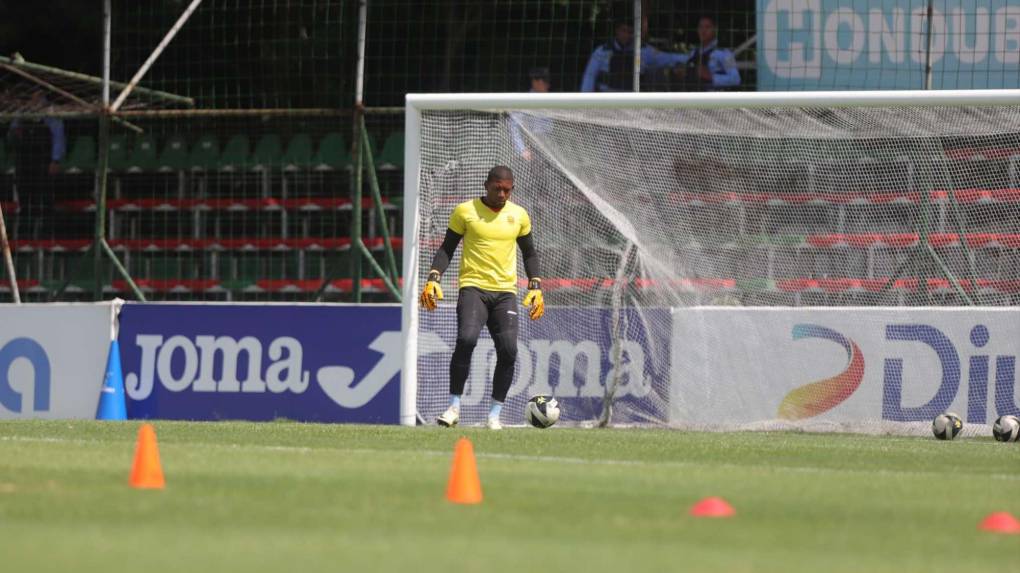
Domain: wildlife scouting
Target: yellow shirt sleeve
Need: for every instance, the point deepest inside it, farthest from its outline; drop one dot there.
(525, 223)
(457, 223)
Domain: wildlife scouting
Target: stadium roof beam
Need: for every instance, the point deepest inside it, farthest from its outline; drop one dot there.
(155, 55)
(97, 82)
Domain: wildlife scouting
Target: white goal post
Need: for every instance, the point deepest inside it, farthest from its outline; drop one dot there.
(680, 264)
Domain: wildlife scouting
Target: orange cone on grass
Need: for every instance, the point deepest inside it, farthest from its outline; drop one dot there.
(713, 507)
(1001, 522)
(464, 486)
(146, 472)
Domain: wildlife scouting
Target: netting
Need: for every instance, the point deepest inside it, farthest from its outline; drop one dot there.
(639, 211)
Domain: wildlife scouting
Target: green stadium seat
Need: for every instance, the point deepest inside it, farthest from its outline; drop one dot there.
(392, 156)
(332, 153)
(268, 153)
(175, 155)
(235, 153)
(205, 154)
(299, 153)
(118, 158)
(82, 156)
(143, 156)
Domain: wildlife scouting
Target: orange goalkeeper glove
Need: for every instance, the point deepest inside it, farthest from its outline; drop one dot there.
(534, 299)
(432, 293)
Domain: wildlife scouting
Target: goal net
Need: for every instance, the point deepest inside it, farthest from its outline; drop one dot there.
(733, 260)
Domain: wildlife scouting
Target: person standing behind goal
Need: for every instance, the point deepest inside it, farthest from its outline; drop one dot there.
(492, 228)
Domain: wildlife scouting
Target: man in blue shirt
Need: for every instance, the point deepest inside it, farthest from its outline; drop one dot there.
(39, 146)
(709, 67)
(611, 66)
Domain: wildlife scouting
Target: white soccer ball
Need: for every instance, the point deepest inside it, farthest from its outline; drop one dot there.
(1006, 428)
(542, 411)
(946, 426)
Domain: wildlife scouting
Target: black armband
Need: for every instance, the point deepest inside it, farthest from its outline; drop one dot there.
(445, 252)
(527, 246)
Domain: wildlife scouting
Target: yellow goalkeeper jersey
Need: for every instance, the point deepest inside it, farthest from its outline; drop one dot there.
(489, 259)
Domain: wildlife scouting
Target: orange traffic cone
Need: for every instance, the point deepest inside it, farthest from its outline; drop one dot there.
(464, 486)
(146, 472)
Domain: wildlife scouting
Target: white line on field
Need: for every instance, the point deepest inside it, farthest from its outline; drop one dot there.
(553, 459)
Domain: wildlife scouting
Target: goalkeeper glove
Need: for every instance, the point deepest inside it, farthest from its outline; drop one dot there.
(432, 293)
(534, 299)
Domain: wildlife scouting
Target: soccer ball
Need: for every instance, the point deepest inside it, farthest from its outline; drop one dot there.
(542, 411)
(946, 426)
(1006, 428)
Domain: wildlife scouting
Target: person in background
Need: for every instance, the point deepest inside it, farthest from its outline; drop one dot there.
(39, 146)
(611, 66)
(709, 67)
(539, 78)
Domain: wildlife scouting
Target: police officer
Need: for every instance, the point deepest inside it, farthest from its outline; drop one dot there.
(709, 67)
(611, 66)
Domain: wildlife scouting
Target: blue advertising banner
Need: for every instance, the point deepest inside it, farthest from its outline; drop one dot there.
(569, 353)
(308, 363)
(840, 45)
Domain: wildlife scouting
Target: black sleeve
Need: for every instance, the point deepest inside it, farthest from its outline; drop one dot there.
(527, 245)
(445, 252)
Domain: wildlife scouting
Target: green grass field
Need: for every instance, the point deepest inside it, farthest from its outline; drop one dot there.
(301, 497)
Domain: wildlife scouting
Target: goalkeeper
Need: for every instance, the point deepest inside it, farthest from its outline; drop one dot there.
(492, 228)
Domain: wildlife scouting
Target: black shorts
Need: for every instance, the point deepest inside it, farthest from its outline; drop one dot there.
(496, 310)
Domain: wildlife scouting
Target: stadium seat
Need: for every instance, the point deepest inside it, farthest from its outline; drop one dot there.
(299, 153)
(332, 154)
(205, 154)
(143, 156)
(175, 155)
(118, 153)
(82, 156)
(392, 156)
(268, 153)
(235, 153)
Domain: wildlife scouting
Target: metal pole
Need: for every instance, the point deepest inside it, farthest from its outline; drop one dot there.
(8, 260)
(153, 56)
(373, 184)
(637, 45)
(357, 148)
(104, 159)
(927, 55)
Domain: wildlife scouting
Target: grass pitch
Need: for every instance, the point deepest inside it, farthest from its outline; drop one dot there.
(302, 497)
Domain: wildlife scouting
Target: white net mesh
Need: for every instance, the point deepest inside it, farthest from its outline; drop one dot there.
(639, 211)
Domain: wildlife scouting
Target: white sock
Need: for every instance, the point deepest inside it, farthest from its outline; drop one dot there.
(455, 401)
(497, 407)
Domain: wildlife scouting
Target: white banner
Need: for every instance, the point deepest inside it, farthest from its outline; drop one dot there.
(740, 366)
(52, 359)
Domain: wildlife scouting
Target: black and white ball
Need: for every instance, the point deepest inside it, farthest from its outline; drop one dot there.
(1006, 428)
(946, 426)
(542, 411)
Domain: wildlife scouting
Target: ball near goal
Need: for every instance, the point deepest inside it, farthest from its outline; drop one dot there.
(1006, 428)
(946, 426)
(542, 411)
